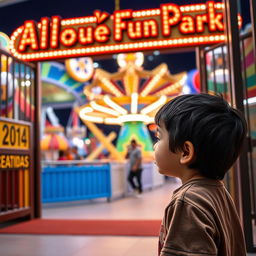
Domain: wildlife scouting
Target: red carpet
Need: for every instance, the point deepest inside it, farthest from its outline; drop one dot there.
(86, 227)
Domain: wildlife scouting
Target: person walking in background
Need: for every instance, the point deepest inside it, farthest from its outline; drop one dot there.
(135, 166)
(199, 139)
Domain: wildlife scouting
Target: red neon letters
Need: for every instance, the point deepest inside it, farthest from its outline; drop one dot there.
(126, 30)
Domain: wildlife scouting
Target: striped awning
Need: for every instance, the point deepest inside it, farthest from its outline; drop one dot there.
(54, 142)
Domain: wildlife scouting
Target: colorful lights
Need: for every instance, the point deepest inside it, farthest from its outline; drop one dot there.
(125, 47)
(28, 37)
(68, 37)
(134, 102)
(94, 119)
(201, 20)
(102, 33)
(215, 20)
(124, 59)
(85, 35)
(133, 105)
(109, 85)
(125, 31)
(152, 83)
(150, 28)
(119, 24)
(44, 33)
(114, 105)
(103, 109)
(167, 22)
(55, 32)
(119, 120)
(86, 110)
(136, 118)
(155, 105)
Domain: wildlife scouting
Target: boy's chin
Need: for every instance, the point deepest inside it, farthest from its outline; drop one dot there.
(166, 172)
(161, 171)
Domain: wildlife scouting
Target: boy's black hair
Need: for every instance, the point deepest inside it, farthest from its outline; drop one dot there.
(134, 141)
(216, 130)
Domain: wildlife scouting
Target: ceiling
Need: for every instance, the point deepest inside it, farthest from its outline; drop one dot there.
(10, 2)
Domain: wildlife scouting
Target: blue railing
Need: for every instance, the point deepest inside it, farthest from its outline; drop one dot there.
(70, 183)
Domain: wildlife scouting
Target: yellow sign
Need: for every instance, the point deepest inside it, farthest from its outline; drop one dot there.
(14, 161)
(14, 135)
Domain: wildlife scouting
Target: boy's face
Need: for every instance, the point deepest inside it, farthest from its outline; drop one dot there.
(167, 161)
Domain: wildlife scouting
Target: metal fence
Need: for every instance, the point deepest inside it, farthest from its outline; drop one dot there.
(64, 181)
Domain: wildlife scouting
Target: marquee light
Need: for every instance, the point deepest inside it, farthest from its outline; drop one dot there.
(169, 26)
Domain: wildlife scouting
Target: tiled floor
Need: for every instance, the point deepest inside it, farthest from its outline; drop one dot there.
(149, 205)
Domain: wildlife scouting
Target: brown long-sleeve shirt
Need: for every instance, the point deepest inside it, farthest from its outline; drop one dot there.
(201, 220)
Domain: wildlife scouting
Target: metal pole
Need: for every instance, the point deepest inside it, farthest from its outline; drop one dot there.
(36, 149)
(201, 67)
(234, 60)
(117, 5)
(253, 22)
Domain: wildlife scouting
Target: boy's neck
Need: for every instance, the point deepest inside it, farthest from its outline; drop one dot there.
(189, 175)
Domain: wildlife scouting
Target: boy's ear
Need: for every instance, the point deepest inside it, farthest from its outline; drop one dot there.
(188, 153)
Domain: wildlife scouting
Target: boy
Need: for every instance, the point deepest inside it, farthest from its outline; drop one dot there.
(199, 139)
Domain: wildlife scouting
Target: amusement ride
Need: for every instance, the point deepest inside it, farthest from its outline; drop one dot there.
(129, 98)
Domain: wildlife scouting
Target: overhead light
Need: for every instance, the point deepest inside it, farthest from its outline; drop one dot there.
(96, 65)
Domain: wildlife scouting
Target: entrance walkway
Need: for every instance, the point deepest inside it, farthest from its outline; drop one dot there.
(149, 205)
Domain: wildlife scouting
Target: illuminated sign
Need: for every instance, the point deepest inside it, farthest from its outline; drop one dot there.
(169, 26)
(14, 135)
